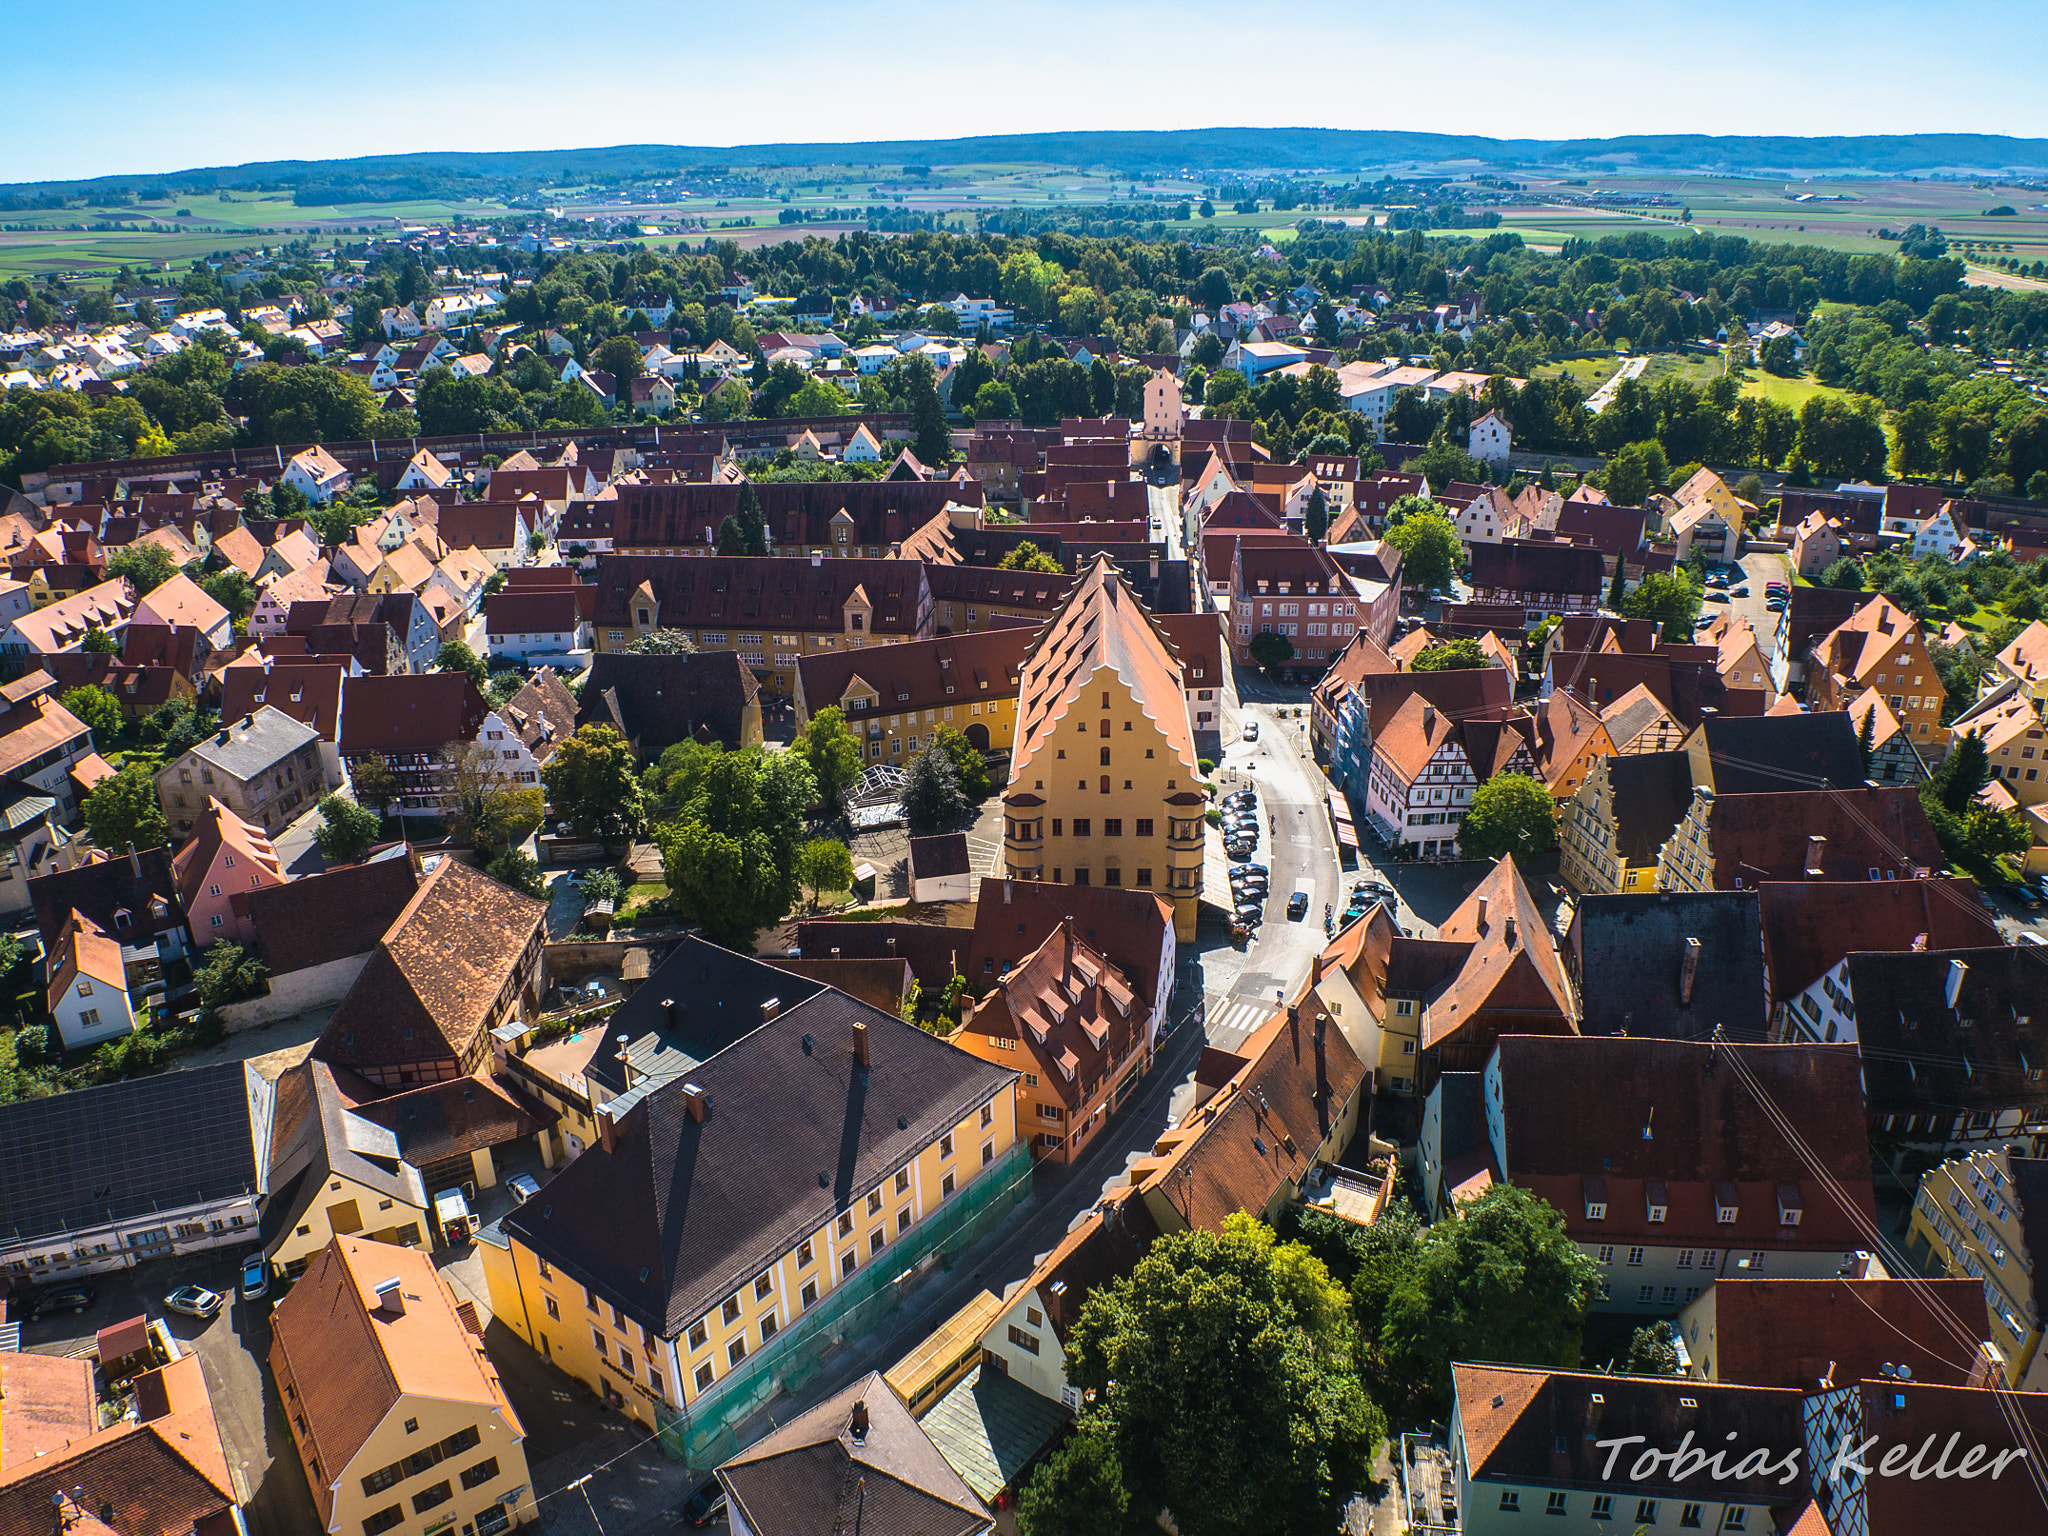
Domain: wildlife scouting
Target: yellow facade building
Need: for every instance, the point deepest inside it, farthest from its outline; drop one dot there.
(1970, 1220)
(773, 1159)
(1105, 784)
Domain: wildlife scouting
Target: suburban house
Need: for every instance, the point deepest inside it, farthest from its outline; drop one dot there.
(88, 991)
(226, 859)
(179, 602)
(1879, 647)
(395, 1408)
(1102, 655)
(318, 474)
(1710, 514)
(265, 767)
(679, 1275)
(1671, 1175)
(154, 1167)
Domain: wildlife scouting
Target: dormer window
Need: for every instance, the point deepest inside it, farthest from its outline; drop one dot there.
(1790, 1207)
(1656, 1213)
(1596, 1210)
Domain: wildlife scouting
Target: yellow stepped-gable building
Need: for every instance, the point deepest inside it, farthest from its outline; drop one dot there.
(1105, 786)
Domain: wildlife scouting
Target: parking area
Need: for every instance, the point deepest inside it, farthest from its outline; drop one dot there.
(231, 1348)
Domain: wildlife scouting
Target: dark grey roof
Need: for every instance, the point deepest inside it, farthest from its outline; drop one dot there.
(1630, 949)
(1921, 1055)
(661, 700)
(243, 751)
(307, 1129)
(944, 853)
(1651, 791)
(1765, 754)
(680, 1212)
(697, 1002)
(813, 1477)
(124, 1149)
(108, 890)
(1461, 1113)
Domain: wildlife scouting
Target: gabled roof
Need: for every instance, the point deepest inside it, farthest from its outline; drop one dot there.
(1100, 625)
(542, 713)
(243, 748)
(1923, 1053)
(1634, 713)
(83, 949)
(219, 830)
(126, 895)
(353, 1360)
(179, 601)
(1755, 838)
(409, 713)
(920, 674)
(1070, 1010)
(1771, 754)
(334, 915)
(308, 689)
(659, 700)
(856, 1462)
(436, 974)
(1512, 966)
(1809, 925)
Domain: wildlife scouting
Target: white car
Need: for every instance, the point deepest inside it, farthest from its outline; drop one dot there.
(1251, 730)
(523, 1186)
(194, 1301)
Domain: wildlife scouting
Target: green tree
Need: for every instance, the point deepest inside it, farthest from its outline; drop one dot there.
(620, 357)
(456, 656)
(591, 784)
(97, 710)
(1915, 450)
(347, 830)
(1651, 1352)
(1672, 598)
(832, 752)
(1316, 520)
(824, 865)
(932, 797)
(1962, 774)
(730, 855)
(233, 591)
(1617, 588)
(1499, 1280)
(1451, 656)
(520, 870)
(1079, 1490)
(1028, 557)
(1270, 649)
(148, 566)
(929, 439)
(1281, 1450)
(375, 785)
(995, 401)
(1845, 575)
(1842, 438)
(1511, 813)
(228, 974)
(98, 642)
(123, 812)
(1430, 551)
(968, 762)
(1866, 738)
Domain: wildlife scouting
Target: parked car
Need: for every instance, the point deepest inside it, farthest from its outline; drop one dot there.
(705, 1505)
(255, 1276)
(1297, 906)
(63, 1298)
(1251, 730)
(1257, 869)
(1713, 596)
(194, 1301)
(1774, 604)
(1251, 913)
(1776, 586)
(1740, 592)
(523, 1186)
(2026, 896)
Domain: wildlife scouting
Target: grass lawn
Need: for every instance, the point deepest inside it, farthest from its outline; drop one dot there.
(1589, 372)
(1792, 393)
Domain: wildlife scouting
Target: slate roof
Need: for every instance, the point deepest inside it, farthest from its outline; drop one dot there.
(243, 748)
(769, 591)
(991, 1429)
(799, 513)
(681, 1212)
(815, 1475)
(125, 1149)
(1536, 565)
(661, 700)
(1770, 754)
(933, 673)
(544, 610)
(107, 888)
(1921, 1055)
(1629, 955)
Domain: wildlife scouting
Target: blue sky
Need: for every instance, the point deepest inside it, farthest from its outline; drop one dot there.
(145, 85)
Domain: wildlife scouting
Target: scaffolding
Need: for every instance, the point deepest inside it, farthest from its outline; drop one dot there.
(705, 1432)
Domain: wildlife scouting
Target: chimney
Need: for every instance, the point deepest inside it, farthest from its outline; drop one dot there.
(1688, 970)
(1315, 970)
(860, 1419)
(860, 1044)
(1482, 914)
(817, 557)
(1428, 717)
(697, 1101)
(607, 1128)
(626, 1060)
(1509, 925)
(1987, 1366)
(134, 862)
(391, 1297)
(770, 1010)
(1816, 847)
(1953, 987)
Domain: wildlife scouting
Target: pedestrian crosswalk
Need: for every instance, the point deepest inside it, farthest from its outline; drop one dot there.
(1237, 1017)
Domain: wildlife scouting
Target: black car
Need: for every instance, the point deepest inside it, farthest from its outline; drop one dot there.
(1297, 906)
(62, 1298)
(706, 1504)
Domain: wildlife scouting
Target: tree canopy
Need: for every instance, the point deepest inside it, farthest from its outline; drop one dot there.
(123, 811)
(1511, 813)
(592, 785)
(1430, 551)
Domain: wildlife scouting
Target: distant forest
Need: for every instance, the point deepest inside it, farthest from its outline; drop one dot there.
(514, 173)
